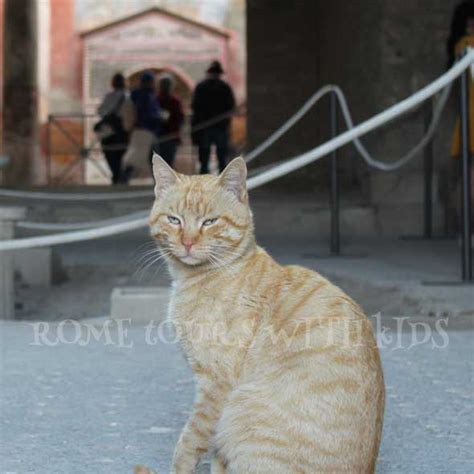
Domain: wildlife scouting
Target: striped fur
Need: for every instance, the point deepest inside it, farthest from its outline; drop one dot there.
(288, 374)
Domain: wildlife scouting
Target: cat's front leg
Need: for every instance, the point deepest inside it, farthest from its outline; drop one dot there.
(196, 435)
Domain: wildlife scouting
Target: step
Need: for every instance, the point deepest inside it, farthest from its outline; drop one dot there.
(141, 304)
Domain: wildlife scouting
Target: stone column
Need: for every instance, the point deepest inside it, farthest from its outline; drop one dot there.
(8, 216)
(19, 89)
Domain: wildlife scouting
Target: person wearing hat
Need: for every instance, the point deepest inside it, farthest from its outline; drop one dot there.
(212, 105)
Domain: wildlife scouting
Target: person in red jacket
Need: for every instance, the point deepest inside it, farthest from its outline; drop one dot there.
(172, 118)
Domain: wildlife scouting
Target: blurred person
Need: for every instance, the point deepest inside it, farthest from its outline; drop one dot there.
(212, 98)
(172, 118)
(143, 118)
(461, 28)
(461, 37)
(110, 129)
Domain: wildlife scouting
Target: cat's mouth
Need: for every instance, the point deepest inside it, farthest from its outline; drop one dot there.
(191, 258)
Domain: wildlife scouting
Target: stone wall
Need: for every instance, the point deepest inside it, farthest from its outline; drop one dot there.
(378, 51)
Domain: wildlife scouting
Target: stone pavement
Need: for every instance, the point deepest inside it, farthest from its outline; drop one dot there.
(98, 408)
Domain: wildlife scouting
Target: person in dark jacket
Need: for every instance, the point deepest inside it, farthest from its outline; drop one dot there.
(147, 107)
(146, 122)
(212, 98)
(115, 143)
(172, 118)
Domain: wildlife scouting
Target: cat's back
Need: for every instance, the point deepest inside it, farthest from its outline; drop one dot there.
(316, 319)
(311, 382)
(303, 293)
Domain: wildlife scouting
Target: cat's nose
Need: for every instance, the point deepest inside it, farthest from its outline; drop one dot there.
(187, 243)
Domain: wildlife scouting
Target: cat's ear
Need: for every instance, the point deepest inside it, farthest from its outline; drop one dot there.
(164, 175)
(234, 178)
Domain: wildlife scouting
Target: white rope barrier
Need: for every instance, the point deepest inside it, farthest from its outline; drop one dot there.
(277, 171)
(58, 226)
(75, 196)
(380, 165)
(317, 96)
(250, 156)
(382, 118)
(76, 236)
(79, 225)
(313, 100)
(437, 112)
(310, 103)
(65, 226)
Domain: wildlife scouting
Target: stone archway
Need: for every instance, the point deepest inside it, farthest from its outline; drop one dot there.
(183, 86)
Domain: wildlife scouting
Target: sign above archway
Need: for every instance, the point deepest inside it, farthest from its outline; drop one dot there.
(155, 39)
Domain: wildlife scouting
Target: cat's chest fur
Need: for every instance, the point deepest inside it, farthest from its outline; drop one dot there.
(214, 326)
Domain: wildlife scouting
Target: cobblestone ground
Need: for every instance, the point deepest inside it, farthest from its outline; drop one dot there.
(98, 408)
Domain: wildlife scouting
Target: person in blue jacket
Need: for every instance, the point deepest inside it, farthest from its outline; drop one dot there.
(147, 113)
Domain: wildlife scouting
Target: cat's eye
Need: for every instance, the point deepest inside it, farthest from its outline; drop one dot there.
(209, 222)
(174, 220)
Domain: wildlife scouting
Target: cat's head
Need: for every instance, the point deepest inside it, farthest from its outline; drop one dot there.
(202, 219)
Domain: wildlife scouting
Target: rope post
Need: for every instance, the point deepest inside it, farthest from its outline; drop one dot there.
(335, 244)
(466, 247)
(428, 176)
(8, 217)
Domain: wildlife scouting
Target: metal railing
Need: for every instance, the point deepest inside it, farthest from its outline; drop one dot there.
(80, 150)
(466, 244)
(85, 152)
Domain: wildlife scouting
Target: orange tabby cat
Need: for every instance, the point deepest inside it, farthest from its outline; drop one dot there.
(288, 373)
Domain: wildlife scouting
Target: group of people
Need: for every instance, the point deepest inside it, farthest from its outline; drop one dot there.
(149, 119)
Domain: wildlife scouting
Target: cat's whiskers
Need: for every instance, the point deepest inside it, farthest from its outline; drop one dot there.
(154, 250)
(143, 247)
(147, 254)
(216, 251)
(148, 242)
(155, 257)
(149, 259)
(215, 264)
(158, 268)
(221, 263)
(226, 253)
(145, 269)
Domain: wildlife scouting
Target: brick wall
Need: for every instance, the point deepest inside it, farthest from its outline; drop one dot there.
(65, 65)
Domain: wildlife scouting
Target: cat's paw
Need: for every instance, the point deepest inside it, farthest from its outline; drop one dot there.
(143, 470)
